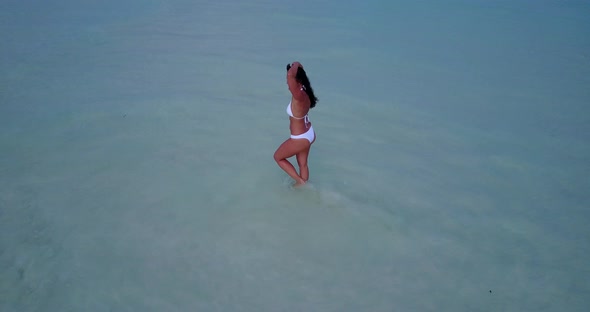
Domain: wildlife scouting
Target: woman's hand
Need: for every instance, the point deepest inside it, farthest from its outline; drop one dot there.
(297, 64)
(293, 68)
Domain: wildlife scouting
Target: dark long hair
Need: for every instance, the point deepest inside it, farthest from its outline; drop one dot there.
(302, 78)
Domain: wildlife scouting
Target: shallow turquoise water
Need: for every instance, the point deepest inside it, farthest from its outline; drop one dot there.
(450, 170)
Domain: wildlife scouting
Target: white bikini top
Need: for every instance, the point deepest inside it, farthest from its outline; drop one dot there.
(290, 113)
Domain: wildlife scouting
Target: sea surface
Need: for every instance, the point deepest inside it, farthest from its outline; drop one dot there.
(450, 171)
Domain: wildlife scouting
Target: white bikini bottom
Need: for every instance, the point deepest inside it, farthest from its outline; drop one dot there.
(309, 135)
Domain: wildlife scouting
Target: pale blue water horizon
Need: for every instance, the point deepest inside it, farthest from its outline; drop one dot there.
(450, 171)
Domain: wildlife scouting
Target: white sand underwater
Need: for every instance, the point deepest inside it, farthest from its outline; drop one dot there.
(450, 171)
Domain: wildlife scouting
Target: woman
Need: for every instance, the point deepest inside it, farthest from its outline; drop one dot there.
(302, 134)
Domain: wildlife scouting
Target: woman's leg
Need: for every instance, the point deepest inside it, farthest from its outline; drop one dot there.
(288, 149)
(302, 162)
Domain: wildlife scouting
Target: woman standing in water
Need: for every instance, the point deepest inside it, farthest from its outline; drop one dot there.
(302, 134)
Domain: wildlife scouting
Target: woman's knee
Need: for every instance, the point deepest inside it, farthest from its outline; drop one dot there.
(276, 156)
